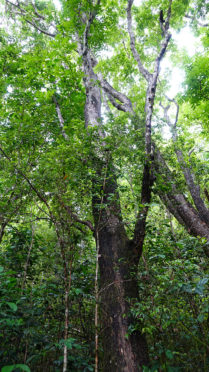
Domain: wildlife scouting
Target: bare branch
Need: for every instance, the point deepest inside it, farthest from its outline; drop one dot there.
(167, 118)
(117, 105)
(171, 206)
(113, 93)
(167, 21)
(162, 21)
(177, 109)
(104, 95)
(16, 5)
(136, 56)
(152, 79)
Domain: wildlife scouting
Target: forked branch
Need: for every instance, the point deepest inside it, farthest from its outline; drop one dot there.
(136, 55)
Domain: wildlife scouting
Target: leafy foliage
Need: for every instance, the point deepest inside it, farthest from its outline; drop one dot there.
(45, 181)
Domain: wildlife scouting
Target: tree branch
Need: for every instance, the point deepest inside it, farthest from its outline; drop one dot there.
(113, 93)
(40, 29)
(25, 14)
(176, 202)
(136, 56)
(76, 218)
(40, 196)
(152, 83)
(36, 11)
(193, 18)
(60, 117)
(87, 28)
(140, 225)
(188, 175)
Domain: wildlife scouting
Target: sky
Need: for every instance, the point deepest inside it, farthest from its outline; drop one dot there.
(57, 3)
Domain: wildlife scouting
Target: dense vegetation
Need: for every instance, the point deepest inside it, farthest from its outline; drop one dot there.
(104, 218)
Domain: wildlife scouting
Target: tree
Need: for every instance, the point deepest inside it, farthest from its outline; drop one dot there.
(46, 172)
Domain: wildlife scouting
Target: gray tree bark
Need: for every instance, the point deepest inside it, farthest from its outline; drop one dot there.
(177, 203)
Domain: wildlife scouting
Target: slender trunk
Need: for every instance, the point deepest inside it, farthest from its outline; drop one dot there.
(27, 260)
(96, 305)
(67, 283)
(26, 352)
(67, 290)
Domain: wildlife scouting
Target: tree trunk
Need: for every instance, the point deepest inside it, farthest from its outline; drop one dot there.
(122, 351)
(118, 262)
(118, 256)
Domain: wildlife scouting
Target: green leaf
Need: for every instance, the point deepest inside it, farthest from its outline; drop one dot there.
(169, 354)
(12, 306)
(23, 367)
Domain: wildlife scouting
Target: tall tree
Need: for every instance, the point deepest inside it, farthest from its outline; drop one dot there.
(81, 34)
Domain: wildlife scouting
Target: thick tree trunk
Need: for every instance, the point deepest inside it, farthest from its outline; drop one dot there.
(118, 263)
(122, 351)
